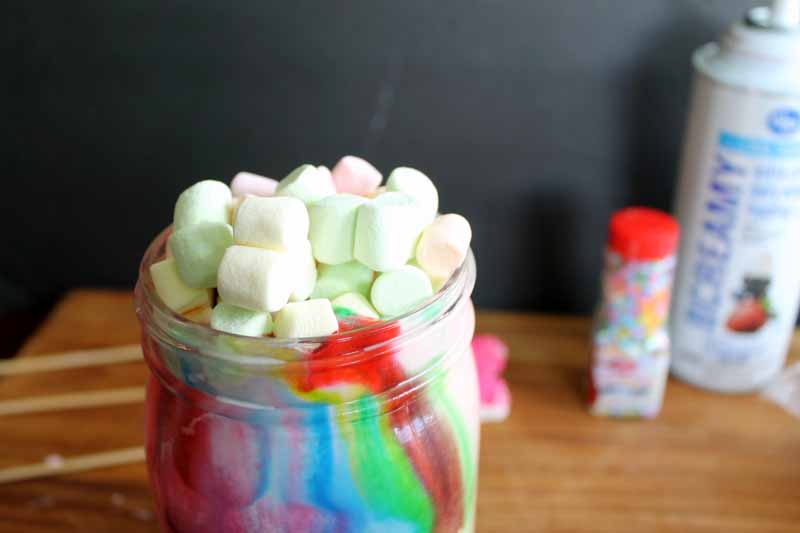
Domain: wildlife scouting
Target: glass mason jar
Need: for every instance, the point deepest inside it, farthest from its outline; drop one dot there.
(371, 429)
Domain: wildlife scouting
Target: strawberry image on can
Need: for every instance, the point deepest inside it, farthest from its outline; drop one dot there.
(752, 309)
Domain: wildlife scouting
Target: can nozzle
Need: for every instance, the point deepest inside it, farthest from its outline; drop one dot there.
(785, 14)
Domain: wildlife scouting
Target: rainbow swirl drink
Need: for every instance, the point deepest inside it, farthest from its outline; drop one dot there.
(374, 428)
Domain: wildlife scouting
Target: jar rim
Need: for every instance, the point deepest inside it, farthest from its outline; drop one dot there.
(163, 322)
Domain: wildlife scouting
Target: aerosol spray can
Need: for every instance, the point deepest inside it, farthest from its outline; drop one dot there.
(738, 280)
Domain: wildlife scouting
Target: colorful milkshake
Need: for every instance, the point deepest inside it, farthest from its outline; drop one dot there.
(373, 428)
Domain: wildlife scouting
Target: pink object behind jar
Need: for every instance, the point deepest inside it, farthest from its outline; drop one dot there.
(491, 355)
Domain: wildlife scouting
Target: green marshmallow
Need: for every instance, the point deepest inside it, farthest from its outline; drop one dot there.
(241, 321)
(306, 183)
(335, 280)
(198, 251)
(205, 201)
(400, 291)
(333, 226)
(353, 303)
(174, 292)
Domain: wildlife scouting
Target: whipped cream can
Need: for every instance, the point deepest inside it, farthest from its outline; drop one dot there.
(737, 285)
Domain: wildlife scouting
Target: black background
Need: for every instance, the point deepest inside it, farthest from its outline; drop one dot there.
(536, 119)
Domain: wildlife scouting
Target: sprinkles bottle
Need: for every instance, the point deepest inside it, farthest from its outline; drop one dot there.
(630, 356)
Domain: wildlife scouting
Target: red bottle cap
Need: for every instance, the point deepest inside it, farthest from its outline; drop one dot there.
(643, 233)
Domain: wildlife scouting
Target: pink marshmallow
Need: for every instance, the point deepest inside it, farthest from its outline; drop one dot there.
(245, 183)
(491, 355)
(356, 176)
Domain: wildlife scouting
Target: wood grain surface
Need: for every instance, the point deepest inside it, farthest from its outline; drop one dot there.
(708, 463)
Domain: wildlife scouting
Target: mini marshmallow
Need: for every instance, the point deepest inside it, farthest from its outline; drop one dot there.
(201, 314)
(417, 185)
(333, 227)
(174, 292)
(399, 291)
(248, 184)
(234, 205)
(198, 250)
(306, 272)
(312, 318)
(326, 174)
(444, 245)
(353, 303)
(255, 278)
(276, 223)
(241, 321)
(377, 192)
(355, 176)
(436, 283)
(205, 201)
(335, 280)
(307, 183)
(386, 231)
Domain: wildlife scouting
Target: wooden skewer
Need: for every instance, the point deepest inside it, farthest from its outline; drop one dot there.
(79, 463)
(76, 400)
(77, 359)
(67, 360)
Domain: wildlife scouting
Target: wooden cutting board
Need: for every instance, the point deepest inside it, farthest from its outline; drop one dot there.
(708, 463)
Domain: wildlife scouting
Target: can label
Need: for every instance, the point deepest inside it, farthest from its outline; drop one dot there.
(738, 281)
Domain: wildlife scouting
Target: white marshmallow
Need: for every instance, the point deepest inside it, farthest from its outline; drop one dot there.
(255, 278)
(417, 185)
(241, 321)
(198, 249)
(333, 227)
(335, 280)
(234, 205)
(306, 272)
(444, 245)
(387, 229)
(307, 183)
(326, 173)
(353, 303)
(275, 223)
(399, 291)
(173, 291)
(249, 184)
(312, 318)
(205, 201)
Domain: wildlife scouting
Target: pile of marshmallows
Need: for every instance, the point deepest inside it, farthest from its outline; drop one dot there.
(287, 257)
